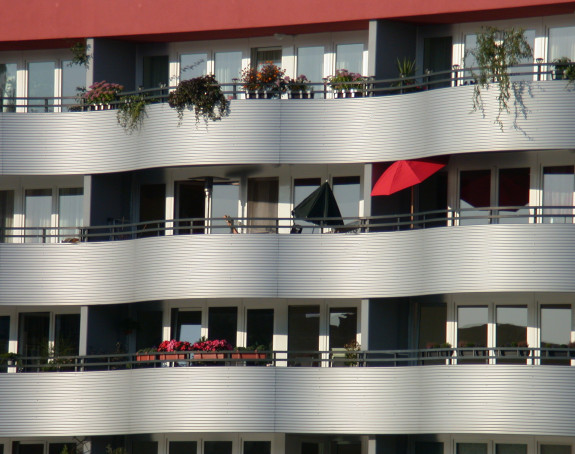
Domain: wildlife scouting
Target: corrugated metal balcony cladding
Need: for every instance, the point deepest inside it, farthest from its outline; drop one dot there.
(497, 258)
(375, 129)
(503, 399)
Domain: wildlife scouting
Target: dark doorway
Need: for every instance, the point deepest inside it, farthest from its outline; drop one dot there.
(437, 57)
(152, 208)
(190, 204)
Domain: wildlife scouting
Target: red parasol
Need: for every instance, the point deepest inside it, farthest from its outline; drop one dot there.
(405, 174)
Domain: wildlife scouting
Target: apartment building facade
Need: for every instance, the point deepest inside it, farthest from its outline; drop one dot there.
(436, 319)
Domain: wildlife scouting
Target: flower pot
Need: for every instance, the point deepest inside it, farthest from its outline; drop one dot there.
(145, 357)
(210, 355)
(170, 356)
(248, 355)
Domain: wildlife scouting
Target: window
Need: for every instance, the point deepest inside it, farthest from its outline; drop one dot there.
(555, 449)
(346, 191)
(561, 43)
(310, 63)
(342, 327)
(303, 187)
(193, 65)
(218, 447)
(513, 191)
(558, 187)
(6, 215)
(510, 449)
(303, 333)
(264, 55)
(41, 86)
(183, 447)
(8, 87)
(38, 215)
(511, 331)
(350, 57)
(186, 325)
(70, 212)
(257, 447)
(228, 66)
(432, 322)
(469, 60)
(555, 330)
(474, 192)
(260, 328)
(471, 448)
(472, 332)
(73, 78)
(225, 199)
(223, 323)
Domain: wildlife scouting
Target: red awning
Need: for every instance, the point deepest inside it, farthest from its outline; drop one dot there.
(404, 174)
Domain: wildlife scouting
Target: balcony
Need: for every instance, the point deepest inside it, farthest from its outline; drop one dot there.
(453, 399)
(367, 129)
(359, 262)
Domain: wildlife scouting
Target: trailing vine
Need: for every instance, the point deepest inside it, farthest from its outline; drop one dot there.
(497, 50)
(80, 55)
(204, 95)
(131, 112)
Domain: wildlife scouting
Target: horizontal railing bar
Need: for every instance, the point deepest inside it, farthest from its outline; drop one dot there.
(368, 87)
(365, 358)
(366, 224)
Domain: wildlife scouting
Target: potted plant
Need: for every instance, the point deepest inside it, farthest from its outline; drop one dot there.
(147, 354)
(298, 88)
(211, 349)
(202, 94)
(406, 70)
(351, 353)
(101, 95)
(131, 111)
(267, 82)
(10, 359)
(346, 84)
(250, 352)
(498, 50)
(173, 350)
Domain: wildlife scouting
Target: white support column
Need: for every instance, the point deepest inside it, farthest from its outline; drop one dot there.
(279, 443)
(369, 444)
(13, 338)
(365, 206)
(364, 334)
(280, 341)
(83, 348)
(169, 209)
(87, 199)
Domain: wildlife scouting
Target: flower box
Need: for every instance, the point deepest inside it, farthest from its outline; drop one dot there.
(146, 357)
(172, 356)
(248, 355)
(210, 355)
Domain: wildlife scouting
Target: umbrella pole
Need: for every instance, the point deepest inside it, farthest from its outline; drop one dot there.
(411, 209)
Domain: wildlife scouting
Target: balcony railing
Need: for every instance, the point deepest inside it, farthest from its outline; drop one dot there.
(240, 225)
(560, 355)
(319, 90)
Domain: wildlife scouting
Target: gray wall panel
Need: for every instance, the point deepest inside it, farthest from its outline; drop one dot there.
(289, 131)
(433, 399)
(502, 258)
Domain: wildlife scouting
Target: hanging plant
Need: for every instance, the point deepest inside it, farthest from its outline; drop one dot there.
(204, 94)
(132, 111)
(80, 55)
(498, 50)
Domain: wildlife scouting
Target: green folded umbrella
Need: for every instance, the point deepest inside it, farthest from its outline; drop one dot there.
(320, 203)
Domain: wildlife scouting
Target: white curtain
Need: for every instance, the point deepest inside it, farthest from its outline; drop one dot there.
(561, 43)
(38, 214)
(558, 191)
(350, 57)
(71, 212)
(228, 66)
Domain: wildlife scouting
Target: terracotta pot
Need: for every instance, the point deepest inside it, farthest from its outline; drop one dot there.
(209, 355)
(248, 355)
(172, 356)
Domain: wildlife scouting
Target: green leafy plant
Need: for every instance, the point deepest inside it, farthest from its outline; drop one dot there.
(80, 55)
(132, 111)
(497, 50)
(351, 349)
(345, 80)
(204, 94)
(564, 69)
(406, 70)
